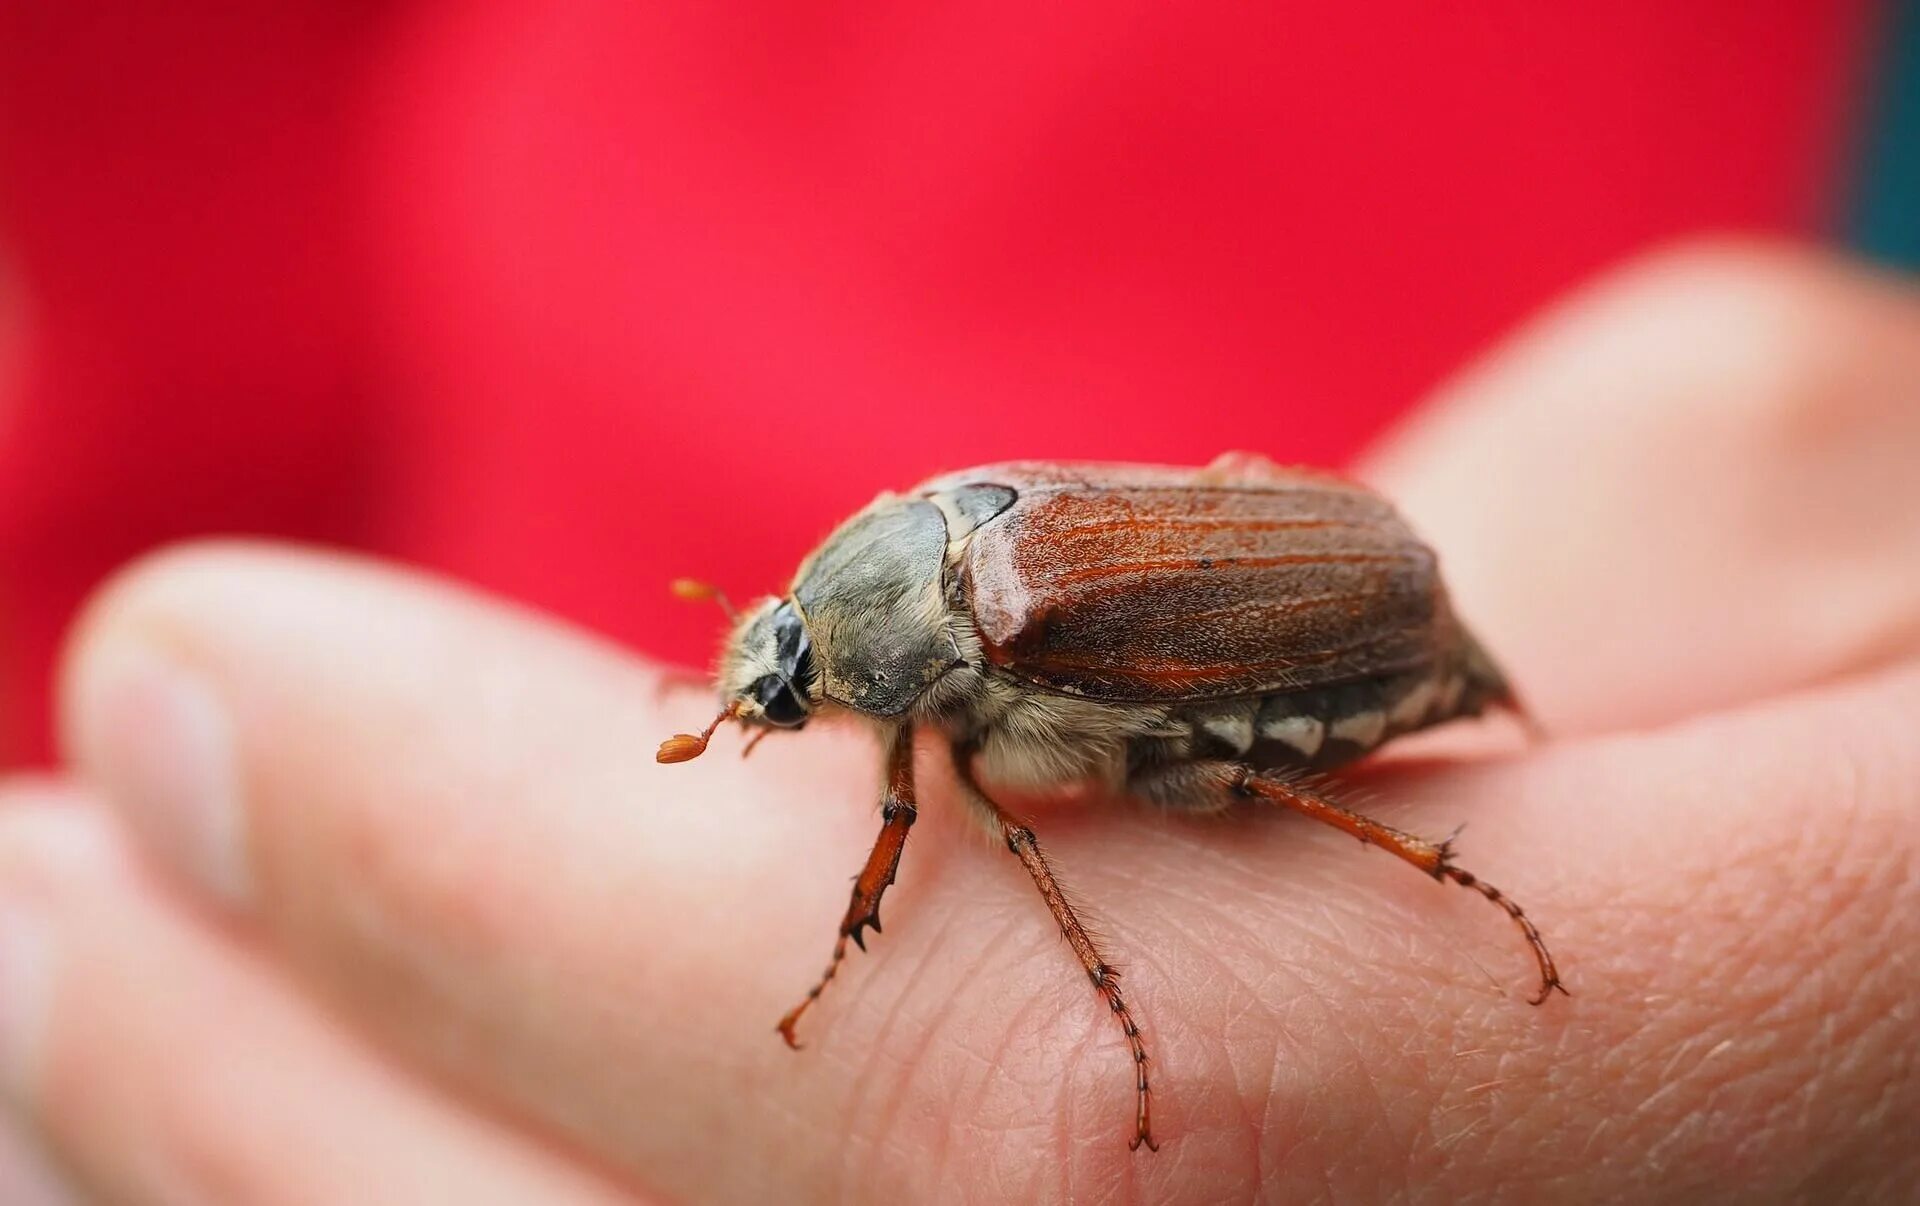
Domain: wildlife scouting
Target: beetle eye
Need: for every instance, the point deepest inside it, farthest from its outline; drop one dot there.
(777, 700)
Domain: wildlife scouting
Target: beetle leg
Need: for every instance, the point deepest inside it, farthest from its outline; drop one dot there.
(897, 814)
(1106, 978)
(1229, 779)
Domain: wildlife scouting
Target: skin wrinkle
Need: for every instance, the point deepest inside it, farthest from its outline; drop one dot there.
(1014, 1037)
(1368, 1078)
(1499, 1120)
(1838, 1029)
(1816, 848)
(921, 983)
(1123, 886)
(1009, 1030)
(865, 1154)
(1001, 941)
(994, 1065)
(1480, 1098)
(1064, 1105)
(1414, 922)
(920, 976)
(1065, 1111)
(1087, 1030)
(1903, 1020)
(1255, 1129)
(1444, 1143)
(1799, 858)
(1265, 887)
(1170, 984)
(1088, 1042)
(874, 1049)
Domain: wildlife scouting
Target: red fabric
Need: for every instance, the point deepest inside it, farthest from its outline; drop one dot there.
(569, 299)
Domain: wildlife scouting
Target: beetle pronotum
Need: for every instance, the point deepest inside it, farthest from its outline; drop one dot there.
(1189, 638)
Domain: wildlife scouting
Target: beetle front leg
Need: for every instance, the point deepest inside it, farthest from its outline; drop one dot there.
(1213, 783)
(1106, 978)
(897, 812)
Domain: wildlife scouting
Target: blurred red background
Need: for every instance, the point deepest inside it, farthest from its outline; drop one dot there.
(567, 299)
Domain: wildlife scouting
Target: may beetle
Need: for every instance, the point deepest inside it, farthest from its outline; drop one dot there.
(1189, 638)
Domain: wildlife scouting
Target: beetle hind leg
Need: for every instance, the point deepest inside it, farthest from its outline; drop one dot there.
(1209, 784)
(897, 813)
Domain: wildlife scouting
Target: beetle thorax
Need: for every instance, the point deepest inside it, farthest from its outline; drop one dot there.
(874, 602)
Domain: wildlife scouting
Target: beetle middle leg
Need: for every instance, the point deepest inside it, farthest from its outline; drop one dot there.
(897, 813)
(1214, 784)
(1106, 978)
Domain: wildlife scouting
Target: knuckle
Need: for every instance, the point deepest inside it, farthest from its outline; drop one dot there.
(1745, 307)
(1757, 281)
(1772, 333)
(1719, 265)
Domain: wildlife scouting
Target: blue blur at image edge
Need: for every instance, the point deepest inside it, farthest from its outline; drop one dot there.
(1884, 217)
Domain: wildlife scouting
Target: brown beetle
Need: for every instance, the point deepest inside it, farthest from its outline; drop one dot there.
(1186, 638)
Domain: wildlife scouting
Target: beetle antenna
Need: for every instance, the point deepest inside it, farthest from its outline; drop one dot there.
(684, 747)
(693, 591)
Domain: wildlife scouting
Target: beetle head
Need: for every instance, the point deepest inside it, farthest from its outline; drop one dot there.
(768, 667)
(767, 677)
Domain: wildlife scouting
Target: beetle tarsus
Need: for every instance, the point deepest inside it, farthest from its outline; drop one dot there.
(1434, 858)
(1549, 974)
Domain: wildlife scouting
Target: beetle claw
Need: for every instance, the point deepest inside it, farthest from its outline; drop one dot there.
(1547, 989)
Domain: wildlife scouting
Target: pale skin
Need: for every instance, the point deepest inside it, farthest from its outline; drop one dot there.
(460, 938)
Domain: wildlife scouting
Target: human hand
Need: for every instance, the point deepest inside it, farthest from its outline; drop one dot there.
(370, 889)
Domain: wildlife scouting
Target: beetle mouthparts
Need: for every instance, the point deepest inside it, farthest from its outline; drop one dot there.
(684, 747)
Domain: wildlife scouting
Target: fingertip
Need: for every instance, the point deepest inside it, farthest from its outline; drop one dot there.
(54, 851)
(1685, 486)
(154, 735)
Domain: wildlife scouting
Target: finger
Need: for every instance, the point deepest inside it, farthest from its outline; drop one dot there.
(1736, 902)
(160, 1063)
(450, 816)
(1690, 485)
